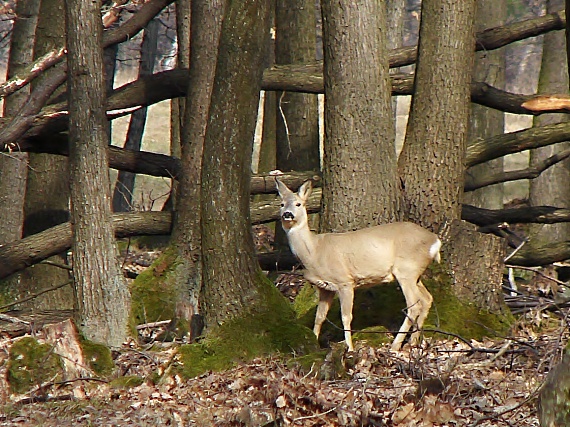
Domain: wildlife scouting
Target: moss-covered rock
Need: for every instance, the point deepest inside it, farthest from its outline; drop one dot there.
(98, 357)
(270, 327)
(31, 364)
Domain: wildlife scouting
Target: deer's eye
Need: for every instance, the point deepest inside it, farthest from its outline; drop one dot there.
(282, 204)
(298, 205)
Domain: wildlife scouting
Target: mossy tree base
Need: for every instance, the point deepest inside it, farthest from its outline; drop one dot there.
(268, 328)
(156, 294)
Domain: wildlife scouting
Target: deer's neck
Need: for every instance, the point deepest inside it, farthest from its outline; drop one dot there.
(303, 243)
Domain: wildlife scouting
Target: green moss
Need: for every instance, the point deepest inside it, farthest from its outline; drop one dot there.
(155, 293)
(450, 314)
(268, 328)
(98, 357)
(31, 363)
(126, 382)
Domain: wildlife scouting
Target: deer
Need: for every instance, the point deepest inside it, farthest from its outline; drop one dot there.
(338, 263)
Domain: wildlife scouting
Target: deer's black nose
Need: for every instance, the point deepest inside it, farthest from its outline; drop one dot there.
(288, 216)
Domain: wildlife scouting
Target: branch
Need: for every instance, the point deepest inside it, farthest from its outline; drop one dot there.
(117, 35)
(481, 151)
(474, 182)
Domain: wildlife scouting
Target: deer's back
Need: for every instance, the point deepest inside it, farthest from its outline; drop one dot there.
(370, 256)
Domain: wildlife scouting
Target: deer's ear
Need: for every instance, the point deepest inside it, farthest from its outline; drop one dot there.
(282, 189)
(305, 190)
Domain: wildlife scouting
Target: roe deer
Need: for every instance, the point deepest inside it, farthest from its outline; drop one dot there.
(340, 262)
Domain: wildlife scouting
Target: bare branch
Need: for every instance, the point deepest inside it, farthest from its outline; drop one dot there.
(472, 183)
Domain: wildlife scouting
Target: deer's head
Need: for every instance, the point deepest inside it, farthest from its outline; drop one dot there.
(293, 212)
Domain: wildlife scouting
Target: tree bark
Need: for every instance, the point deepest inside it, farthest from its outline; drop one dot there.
(102, 294)
(359, 165)
(13, 169)
(206, 23)
(232, 284)
(47, 188)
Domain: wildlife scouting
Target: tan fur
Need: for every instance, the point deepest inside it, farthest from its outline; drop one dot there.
(340, 262)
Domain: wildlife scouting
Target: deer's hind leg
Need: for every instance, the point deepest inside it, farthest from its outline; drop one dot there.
(414, 309)
(425, 304)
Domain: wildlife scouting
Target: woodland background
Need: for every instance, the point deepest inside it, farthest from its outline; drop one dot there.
(149, 350)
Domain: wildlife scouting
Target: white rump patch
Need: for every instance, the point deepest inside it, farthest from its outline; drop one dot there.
(434, 250)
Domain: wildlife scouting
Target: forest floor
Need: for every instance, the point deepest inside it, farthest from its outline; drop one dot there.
(450, 382)
(440, 383)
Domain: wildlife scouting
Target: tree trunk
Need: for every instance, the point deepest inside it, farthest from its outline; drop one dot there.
(206, 27)
(125, 184)
(488, 250)
(232, 280)
(360, 182)
(297, 117)
(177, 106)
(47, 190)
(551, 187)
(432, 162)
(13, 167)
(432, 159)
(102, 294)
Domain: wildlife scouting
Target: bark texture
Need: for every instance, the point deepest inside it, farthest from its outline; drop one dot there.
(206, 22)
(102, 294)
(432, 160)
(231, 275)
(47, 188)
(359, 155)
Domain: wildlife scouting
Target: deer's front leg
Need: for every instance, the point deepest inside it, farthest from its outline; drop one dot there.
(346, 297)
(325, 302)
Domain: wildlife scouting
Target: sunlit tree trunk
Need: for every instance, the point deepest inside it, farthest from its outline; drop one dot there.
(186, 237)
(232, 280)
(432, 162)
(360, 183)
(103, 296)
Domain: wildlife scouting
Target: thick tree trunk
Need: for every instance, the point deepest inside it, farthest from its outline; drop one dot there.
(361, 185)
(432, 160)
(102, 294)
(206, 27)
(47, 191)
(232, 283)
